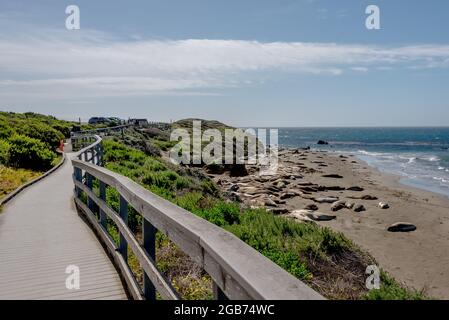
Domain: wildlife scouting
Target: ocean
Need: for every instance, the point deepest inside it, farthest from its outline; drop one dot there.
(420, 156)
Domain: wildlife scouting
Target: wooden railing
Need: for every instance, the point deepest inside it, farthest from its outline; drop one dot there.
(237, 270)
(82, 139)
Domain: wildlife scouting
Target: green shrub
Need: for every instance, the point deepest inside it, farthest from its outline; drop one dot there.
(4, 152)
(209, 187)
(392, 290)
(213, 210)
(164, 145)
(287, 242)
(5, 129)
(42, 132)
(26, 152)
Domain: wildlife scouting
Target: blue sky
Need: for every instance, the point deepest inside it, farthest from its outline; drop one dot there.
(247, 63)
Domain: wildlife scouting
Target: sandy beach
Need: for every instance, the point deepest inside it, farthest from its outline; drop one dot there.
(310, 179)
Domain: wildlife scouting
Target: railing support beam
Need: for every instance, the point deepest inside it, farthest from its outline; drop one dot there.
(149, 244)
(218, 293)
(103, 216)
(90, 202)
(123, 211)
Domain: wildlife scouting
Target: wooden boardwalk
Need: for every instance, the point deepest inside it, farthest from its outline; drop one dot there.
(41, 234)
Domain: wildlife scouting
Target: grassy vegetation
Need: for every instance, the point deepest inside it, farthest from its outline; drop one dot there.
(29, 140)
(326, 260)
(27, 146)
(391, 290)
(12, 178)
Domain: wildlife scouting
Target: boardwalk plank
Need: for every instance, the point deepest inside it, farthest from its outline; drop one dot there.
(41, 234)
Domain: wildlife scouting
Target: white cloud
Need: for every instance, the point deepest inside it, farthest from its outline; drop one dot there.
(360, 69)
(89, 63)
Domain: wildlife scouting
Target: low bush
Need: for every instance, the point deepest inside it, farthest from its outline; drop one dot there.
(30, 153)
(4, 152)
(391, 290)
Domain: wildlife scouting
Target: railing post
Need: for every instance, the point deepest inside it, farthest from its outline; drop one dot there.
(101, 155)
(123, 246)
(90, 202)
(149, 244)
(96, 155)
(218, 293)
(103, 216)
(78, 176)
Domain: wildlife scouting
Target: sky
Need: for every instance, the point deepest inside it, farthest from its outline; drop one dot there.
(260, 63)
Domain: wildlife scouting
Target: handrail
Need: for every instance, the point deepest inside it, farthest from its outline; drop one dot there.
(100, 130)
(238, 271)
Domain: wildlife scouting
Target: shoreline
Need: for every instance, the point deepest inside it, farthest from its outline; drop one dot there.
(418, 259)
(403, 180)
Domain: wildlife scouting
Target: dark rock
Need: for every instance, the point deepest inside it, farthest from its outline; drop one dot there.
(322, 142)
(214, 168)
(238, 170)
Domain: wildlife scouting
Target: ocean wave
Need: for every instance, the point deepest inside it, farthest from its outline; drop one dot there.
(441, 179)
(398, 144)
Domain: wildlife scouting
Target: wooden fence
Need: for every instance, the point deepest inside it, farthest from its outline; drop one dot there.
(237, 270)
